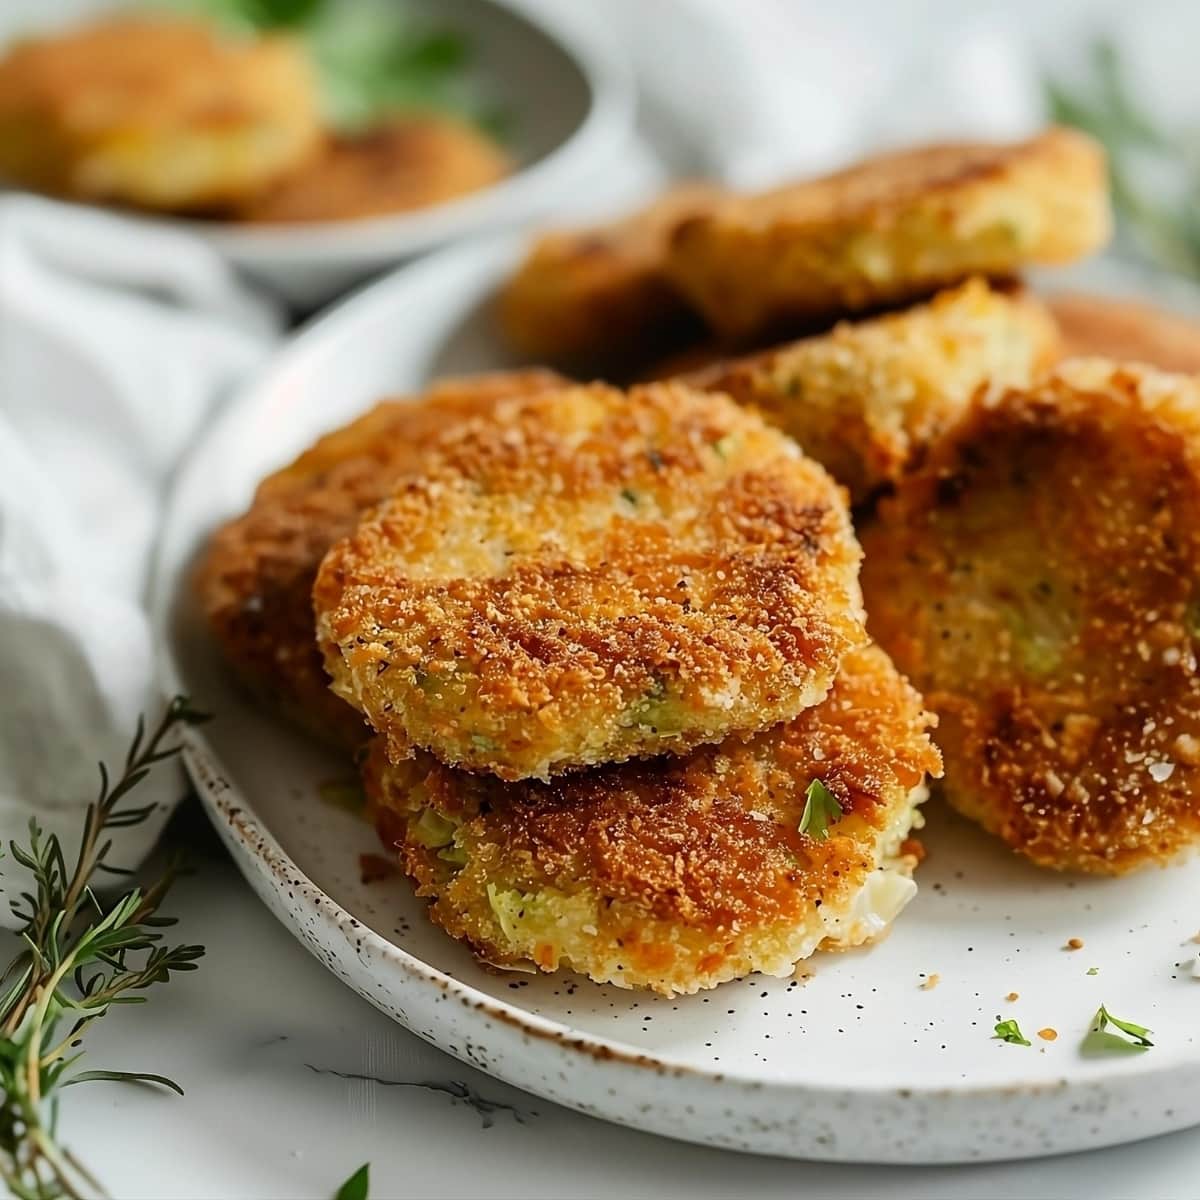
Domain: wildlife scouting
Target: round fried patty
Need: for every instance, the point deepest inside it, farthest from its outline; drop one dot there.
(588, 575)
(892, 228)
(1037, 579)
(155, 111)
(255, 579)
(677, 873)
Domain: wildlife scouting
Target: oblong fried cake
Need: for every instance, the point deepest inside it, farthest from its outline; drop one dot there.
(406, 163)
(155, 111)
(677, 873)
(865, 399)
(1037, 579)
(592, 575)
(600, 294)
(890, 229)
(255, 578)
(1127, 331)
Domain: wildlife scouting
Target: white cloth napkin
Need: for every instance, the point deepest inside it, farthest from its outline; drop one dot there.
(116, 341)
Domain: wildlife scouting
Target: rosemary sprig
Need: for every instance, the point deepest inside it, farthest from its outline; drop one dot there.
(80, 955)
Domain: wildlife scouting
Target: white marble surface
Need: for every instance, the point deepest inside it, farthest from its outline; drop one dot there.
(257, 1035)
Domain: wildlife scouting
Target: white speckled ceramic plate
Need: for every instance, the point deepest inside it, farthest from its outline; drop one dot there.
(859, 1061)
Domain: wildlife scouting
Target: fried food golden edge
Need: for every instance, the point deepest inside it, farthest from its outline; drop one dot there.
(254, 580)
(676, 873)
(590, 576)
(866, 399)
(1037, 581)
(155, 111)
(891, 229)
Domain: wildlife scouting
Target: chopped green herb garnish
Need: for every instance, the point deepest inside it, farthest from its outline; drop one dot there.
(1101, 1040)
(820, 809)
(358, 1186)
(629, 496)
(1009, 1031)
(1093, 970)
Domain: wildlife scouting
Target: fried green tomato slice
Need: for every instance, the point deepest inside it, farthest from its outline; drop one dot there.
(1037, 580)
(155, 111)
(866, 399)
(892, 228)
(595, 295)
(678, 873)
(254, 580)
(590, 575)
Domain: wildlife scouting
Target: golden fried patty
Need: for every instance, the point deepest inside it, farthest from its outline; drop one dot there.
(892, 228)
(677, 873)
(600, 294)
(255, 579)
(1127, 331)
(159, 112)
(408, 163)
(588, 576)
(865, 399)
(1037, 579)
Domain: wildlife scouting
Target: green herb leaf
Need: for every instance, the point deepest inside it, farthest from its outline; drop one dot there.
(1093, 970)
(820, 810)
(358, 1186)
(1100, 1039)
(1009, 1031)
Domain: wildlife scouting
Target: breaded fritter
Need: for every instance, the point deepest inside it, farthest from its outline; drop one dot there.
(893, 228)
(255, 579)
(589, 576)
(600, 294)
(155, 111)
(1037, 579)
(865, 399)
(676, 873)
(408, 163)
(1127, 331)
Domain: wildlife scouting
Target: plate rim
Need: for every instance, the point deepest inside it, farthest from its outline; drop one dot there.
(487, 256)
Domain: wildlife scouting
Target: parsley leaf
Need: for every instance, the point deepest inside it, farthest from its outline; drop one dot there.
(1009, 1031)
(820, 808)
(1100, 1040)
(357, 1187)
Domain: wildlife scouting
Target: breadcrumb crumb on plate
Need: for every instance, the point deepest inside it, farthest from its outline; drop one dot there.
(1036, 578)
(676, 874)
(587, 576)
(890, 229)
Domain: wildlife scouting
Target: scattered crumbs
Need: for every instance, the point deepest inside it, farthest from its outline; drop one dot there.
(1093, 970)
(1160, 772)
(374, 867)
(914, 848)
(1048, 1034)
(1074, 944)
(931, 981)
(1195, 938)
(1012, 996)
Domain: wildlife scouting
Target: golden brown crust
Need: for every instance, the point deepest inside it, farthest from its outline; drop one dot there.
(407, 163)
(588, 576)
(597, 295)
(155, 111)
(673, 873)
(255, 579)
(893, 228)
(1127, 332)
(1037, 579)
(865, 399)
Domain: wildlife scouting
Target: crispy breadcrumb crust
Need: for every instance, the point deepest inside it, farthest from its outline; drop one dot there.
(675, 873)
(892, 228)
(1126, 331)
(591, 575)
(865, 399)
(600, 294)
(255, 579)
(155, 111)
(407, 163)
(1037, 579)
